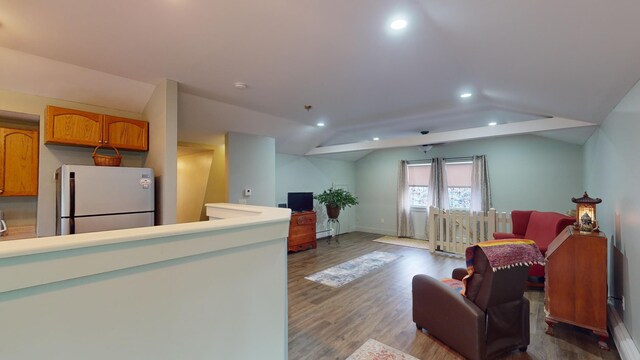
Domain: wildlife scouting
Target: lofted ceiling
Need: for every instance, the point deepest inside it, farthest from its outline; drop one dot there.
(522, 60)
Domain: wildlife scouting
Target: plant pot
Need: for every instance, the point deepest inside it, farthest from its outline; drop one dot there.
(333, 212)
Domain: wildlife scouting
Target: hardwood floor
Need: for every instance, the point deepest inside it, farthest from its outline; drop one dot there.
(328, 323)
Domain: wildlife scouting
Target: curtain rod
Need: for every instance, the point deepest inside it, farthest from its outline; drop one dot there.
(445, 159)
(459, 158)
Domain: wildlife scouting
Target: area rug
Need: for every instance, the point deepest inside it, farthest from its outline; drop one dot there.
(420, 244)
(374, 350)
(353, 269)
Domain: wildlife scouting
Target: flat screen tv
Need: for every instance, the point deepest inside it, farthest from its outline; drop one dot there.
(300, 201)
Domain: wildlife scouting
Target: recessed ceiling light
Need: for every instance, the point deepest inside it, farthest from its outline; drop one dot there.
(240, 85)
(493, 123)
(398, 24)
(376, 138)
(320, 124)
(465, 95)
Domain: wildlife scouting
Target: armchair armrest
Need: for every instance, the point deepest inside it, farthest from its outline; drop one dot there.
(449, 316)
(459, 273)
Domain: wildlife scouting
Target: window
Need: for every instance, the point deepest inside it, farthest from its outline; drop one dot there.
(419, 175)
(458, 181)
(459, 184)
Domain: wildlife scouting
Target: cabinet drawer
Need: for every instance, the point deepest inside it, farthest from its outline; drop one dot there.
(301, 239)
(302, 230)
(303, 219)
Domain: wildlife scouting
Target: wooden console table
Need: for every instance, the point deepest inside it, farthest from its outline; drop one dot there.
(576, 282)
(302, 231)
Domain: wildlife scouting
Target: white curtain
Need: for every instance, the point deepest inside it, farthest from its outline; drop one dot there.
(405, 221)
(480, 186)
(438, 190)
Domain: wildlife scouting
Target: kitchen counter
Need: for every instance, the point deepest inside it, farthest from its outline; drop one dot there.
(150, 293)
(19, 232)
(242, 216)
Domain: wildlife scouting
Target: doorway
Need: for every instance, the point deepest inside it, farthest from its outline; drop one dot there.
(201, 179)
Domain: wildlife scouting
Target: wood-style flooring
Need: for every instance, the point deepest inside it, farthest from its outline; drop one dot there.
(328, 323)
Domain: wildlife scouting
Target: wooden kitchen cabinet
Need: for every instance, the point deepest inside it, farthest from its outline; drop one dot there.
(18, 162)
(126, 133)
(72, 127)
(83, 128)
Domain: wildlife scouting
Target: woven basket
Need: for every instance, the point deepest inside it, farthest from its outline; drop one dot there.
(106, 160)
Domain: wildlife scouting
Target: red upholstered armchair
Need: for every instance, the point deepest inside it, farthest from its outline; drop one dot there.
(541, 227)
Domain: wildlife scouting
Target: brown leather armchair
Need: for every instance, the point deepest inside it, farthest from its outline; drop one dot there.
(492, 319)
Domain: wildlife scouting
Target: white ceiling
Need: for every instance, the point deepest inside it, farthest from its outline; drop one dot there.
(523, 60)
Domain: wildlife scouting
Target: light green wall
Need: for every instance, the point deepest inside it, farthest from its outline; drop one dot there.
(612, 170)
(251, 165)
(526, 172)
(313, 174)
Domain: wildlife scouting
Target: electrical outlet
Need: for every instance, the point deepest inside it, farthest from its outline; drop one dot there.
(382, 220)
(623, 308)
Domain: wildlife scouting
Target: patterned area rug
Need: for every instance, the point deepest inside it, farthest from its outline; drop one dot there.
(353, 269)
(374, 350)
(421, 244)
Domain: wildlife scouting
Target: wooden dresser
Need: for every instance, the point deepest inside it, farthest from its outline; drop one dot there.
(302, 231)
(576, 282)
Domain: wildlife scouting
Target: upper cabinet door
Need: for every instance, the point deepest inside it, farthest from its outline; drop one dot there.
(126, 133)
(18, 162)
(67, 126)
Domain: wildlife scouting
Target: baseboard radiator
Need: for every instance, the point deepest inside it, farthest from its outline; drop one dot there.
(626, 347)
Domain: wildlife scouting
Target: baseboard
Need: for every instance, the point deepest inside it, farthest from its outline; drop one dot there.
(387, 232)
(375, 230)
(626, 347)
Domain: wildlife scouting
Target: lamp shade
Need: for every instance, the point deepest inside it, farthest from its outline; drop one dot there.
(586, 212)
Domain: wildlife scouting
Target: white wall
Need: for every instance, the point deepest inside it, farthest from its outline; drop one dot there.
(162, 113)
(206, 290)
(612, 170)
(251, 163)
(52, 156)
(526, 172)
(205, 121)
(314, 174)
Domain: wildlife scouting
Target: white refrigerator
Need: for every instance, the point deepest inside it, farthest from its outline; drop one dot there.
(99, 198)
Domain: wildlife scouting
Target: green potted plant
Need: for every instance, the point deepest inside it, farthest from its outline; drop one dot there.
(336, 199)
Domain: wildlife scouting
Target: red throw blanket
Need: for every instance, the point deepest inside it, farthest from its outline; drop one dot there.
(503, 254)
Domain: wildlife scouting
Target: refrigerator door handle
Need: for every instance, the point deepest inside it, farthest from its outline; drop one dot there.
(72, 202)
